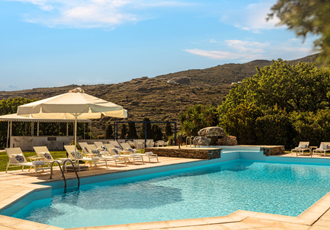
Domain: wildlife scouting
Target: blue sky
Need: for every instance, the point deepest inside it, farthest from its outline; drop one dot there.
(49, 43)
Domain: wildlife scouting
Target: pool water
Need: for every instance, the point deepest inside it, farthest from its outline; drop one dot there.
(214, 190)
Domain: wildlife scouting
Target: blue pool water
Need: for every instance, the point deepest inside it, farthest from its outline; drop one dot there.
(207, 191)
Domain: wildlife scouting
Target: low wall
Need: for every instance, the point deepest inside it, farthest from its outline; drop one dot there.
(211, 153)
(273, 150)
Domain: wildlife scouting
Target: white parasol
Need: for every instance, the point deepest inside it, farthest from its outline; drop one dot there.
(75, 104)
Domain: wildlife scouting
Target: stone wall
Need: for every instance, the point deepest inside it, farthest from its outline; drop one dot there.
(186, 153)
(273, 150)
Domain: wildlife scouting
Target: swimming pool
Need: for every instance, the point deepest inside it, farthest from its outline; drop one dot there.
(204, 191)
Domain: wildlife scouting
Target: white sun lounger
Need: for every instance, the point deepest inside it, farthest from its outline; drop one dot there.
(128, 155)
(106, 156)
(150, 155)
(44, 154)
(71, 148)
(324, 147)
(303, 146)
(16, 157)
(98, 143)
(83, 146)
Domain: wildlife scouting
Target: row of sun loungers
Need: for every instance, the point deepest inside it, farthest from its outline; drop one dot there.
(97, 153)
(312, 150)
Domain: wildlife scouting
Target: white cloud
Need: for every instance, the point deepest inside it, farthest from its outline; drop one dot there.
(247, 46)
(252, 17)
(244, 51)
(92, 13)
(222, 55)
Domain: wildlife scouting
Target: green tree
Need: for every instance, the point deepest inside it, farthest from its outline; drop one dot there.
(123, 132)
(132, 131)
(274, 128)
(9, 106)
(109, 132)
(240, 122)
(168, 130)
(149, 130)
(157, 132)
(311, 126)
(306, 17)
(198, 117)
(298, 87)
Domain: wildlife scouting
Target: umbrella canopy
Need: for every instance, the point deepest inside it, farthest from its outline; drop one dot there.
(75, 104)
(70, 105)
(15, 117)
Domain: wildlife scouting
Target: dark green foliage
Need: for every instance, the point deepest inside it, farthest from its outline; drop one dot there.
(240, 122)
(198, 117)
(132, 131)
(311, 126)
(9, 106)
(149, 130)
(123, 132)
(299, 87)
(307, 17)
(168, 131)
(274, 128)
(157, 132)
(278, 106)
(109, 132)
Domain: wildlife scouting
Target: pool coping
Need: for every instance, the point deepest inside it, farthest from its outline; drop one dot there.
(306, 218)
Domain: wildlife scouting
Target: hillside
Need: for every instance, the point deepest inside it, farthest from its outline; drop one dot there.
(154, 97)
(222, 74)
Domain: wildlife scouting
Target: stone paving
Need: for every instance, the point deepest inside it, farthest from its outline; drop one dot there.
(17, 184)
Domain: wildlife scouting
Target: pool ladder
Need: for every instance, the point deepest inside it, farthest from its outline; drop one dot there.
(191, 138)
(59, 165)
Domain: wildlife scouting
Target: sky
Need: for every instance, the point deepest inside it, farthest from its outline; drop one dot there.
(51, 43)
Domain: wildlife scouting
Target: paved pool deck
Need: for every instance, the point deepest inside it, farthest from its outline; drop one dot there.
(16, 184)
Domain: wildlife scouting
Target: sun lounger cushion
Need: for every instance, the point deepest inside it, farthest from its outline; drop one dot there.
(17, 158)
(115, 151)
(38, 162)
(131, 150)
(302, 146)
(323, 147)
(118, 147)
(104, 148)
(76, 154)
(148, 153)
(47, 155)
(97, 152)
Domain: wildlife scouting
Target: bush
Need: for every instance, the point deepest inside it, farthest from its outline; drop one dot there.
(275, 128)
(310, 126)
(240, 122)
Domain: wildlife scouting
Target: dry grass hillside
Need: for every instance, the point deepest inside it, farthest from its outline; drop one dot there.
(154, 97)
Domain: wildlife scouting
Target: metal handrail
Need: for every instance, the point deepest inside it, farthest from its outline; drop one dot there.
(51, 173)
(74, 169)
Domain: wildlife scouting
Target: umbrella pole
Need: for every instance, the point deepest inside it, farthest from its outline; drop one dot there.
(75, 140)
(7, 135)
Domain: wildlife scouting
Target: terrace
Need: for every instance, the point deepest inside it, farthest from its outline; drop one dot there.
(17, 184)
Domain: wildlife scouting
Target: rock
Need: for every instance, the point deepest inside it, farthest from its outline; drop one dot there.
(227, 140)
(182, 80)
(214, 131)
(202, 141)
(171, 82)
(214, 140)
